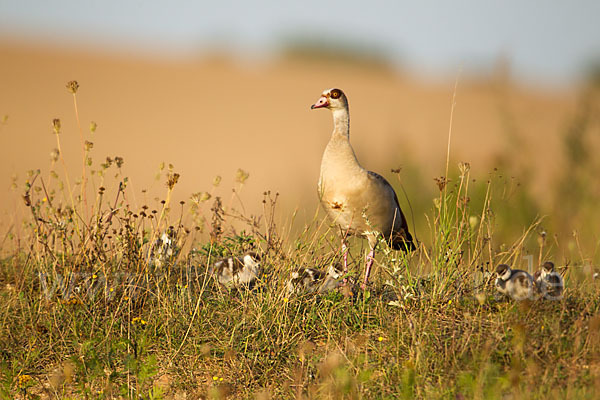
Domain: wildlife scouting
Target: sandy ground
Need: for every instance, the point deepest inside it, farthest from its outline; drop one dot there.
(211, 116)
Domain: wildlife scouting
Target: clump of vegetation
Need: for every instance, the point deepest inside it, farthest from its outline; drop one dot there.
(104, 299)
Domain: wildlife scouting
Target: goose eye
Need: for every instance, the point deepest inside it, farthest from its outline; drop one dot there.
(335, 94)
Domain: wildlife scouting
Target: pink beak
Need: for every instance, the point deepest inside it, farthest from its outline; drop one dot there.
(323, 102)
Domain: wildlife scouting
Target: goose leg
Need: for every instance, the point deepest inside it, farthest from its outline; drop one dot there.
(345, 253)
(370, 260)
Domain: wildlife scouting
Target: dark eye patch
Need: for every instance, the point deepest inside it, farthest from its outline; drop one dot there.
(335, 94)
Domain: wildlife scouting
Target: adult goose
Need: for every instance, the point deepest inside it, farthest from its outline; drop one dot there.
(360, 202)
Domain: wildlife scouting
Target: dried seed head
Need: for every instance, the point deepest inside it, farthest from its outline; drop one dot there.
(72, 86)
(107, 163)
(217, 180)
(200, 197)
(441, 182)
(93, 126)
(172, 179)
(119, 161)
(54, 155)
(464, 168)
(542, 237)
(4, 118)
(241, 176)
(204, 196)
(56, 125)
(88, 145)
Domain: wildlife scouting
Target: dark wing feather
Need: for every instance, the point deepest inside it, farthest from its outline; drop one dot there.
(401, 238)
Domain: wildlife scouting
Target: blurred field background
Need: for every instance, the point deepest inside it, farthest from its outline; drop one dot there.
(221, 90)
(211, 115)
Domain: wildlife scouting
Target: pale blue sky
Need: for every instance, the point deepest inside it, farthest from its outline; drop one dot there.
(545, 40)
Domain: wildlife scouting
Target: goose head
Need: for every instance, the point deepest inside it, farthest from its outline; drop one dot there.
(547, 268)
(503, 272)
(333, 99)
(335, 271)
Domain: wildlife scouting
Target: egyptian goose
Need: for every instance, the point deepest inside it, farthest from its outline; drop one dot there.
(237, 271)
(360, 202)
(514, 283)
(312, 280)
(549, 283)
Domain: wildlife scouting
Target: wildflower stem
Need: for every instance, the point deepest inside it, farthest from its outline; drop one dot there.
(156, 230)
(450, 124)
(83, 174)
(64, 164)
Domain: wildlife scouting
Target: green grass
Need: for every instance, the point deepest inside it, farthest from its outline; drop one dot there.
(86, 313)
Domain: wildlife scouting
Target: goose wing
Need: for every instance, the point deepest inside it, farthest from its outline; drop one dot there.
(401, 239)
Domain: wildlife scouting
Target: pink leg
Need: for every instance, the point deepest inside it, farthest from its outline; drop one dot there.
(345, 253)
(370, 260)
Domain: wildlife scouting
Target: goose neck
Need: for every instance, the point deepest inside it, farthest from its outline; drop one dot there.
(341, 122)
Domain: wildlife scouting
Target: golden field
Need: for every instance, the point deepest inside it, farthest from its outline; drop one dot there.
(212, 115)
